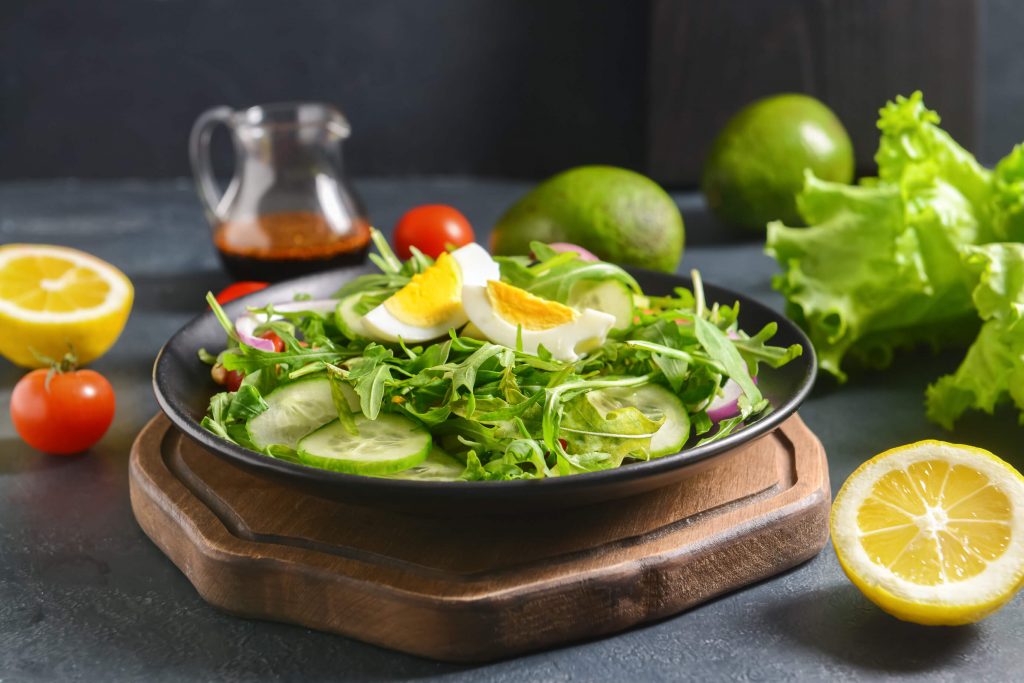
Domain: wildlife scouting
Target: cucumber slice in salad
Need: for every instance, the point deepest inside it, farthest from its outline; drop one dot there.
(296, 409)
(655, 402)
(439, 466)
(608, 296)
(391, 443)
(349, 322)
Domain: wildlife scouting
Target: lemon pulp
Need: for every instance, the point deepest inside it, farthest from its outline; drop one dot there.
(934, 522)
(53, 299)
(48, 283)
(933, 532)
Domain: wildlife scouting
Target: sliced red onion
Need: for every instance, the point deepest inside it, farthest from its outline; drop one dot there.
(246, 325)
(726, 404)
(584, 254)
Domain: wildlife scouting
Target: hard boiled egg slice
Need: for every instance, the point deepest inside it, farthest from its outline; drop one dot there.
(501, 310)
(431, 304)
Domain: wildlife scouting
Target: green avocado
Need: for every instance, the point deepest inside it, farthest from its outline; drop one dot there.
(619, 215)
(756, 165)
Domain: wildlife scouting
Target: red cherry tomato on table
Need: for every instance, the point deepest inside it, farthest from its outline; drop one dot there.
(239, 289)
(431, 228)
(66, 415)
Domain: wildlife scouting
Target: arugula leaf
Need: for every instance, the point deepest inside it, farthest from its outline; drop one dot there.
(246, 403)
(720, 348)
(368, 375)
(724, 428)
(669, 333)
(557, 272)
(386, 259)
(341, 405)
(463, 375)
(756, 349)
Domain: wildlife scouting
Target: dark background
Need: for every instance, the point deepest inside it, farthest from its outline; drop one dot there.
(511, 88)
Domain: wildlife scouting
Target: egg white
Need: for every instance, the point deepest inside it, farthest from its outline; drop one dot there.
(563, 341)
(476, 267)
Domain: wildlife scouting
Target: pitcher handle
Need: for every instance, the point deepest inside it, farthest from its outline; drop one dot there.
(199, 155)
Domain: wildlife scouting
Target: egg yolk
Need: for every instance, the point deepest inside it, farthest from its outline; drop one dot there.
(431, 297)
(519, 307)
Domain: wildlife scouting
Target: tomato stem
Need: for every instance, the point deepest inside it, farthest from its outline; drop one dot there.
(68, 363)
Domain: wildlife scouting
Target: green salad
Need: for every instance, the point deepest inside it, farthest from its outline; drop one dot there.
(470, 367)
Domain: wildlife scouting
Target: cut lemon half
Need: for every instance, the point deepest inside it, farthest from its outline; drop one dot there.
(56, 298)
(933, 532)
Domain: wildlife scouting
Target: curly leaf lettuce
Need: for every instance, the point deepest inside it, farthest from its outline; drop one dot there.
(993, 369)
(911, 136)
(863, 280)
(880, 265)
(1008, 197)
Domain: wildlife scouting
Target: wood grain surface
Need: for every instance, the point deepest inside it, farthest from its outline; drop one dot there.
(474, 587)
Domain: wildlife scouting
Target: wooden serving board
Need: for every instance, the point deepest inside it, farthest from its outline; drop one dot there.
(473, 587)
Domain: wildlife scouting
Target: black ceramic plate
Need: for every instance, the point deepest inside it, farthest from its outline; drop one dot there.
(183, 388)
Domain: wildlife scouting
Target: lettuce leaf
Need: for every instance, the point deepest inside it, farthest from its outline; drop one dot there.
(1008, 197)
(911, 136)
(993, 369)
(880, 266)
(596, 441)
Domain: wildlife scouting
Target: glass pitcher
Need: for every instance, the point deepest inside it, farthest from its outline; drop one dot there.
(288, 210)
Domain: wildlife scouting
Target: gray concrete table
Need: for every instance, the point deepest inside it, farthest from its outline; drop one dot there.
(84, 595)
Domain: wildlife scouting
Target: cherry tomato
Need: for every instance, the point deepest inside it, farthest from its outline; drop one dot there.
(239, 289)
(233, 379)
(66, 415)
(276, 340)
(431, 229)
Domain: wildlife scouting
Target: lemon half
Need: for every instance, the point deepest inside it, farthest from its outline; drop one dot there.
(933, 532)
(55, 298)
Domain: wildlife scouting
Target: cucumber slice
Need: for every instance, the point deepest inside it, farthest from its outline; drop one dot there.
(608, 296)
(439, 466)
(349, 322)
(391, 443)
(296, 409)
(655, 402)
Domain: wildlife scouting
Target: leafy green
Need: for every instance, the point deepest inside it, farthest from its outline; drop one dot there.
(993, 369)
(229, 409)
(554, 276)
(911, 137)
(880, 266)
(918, 254)
(599, 441)
(1008, 196)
